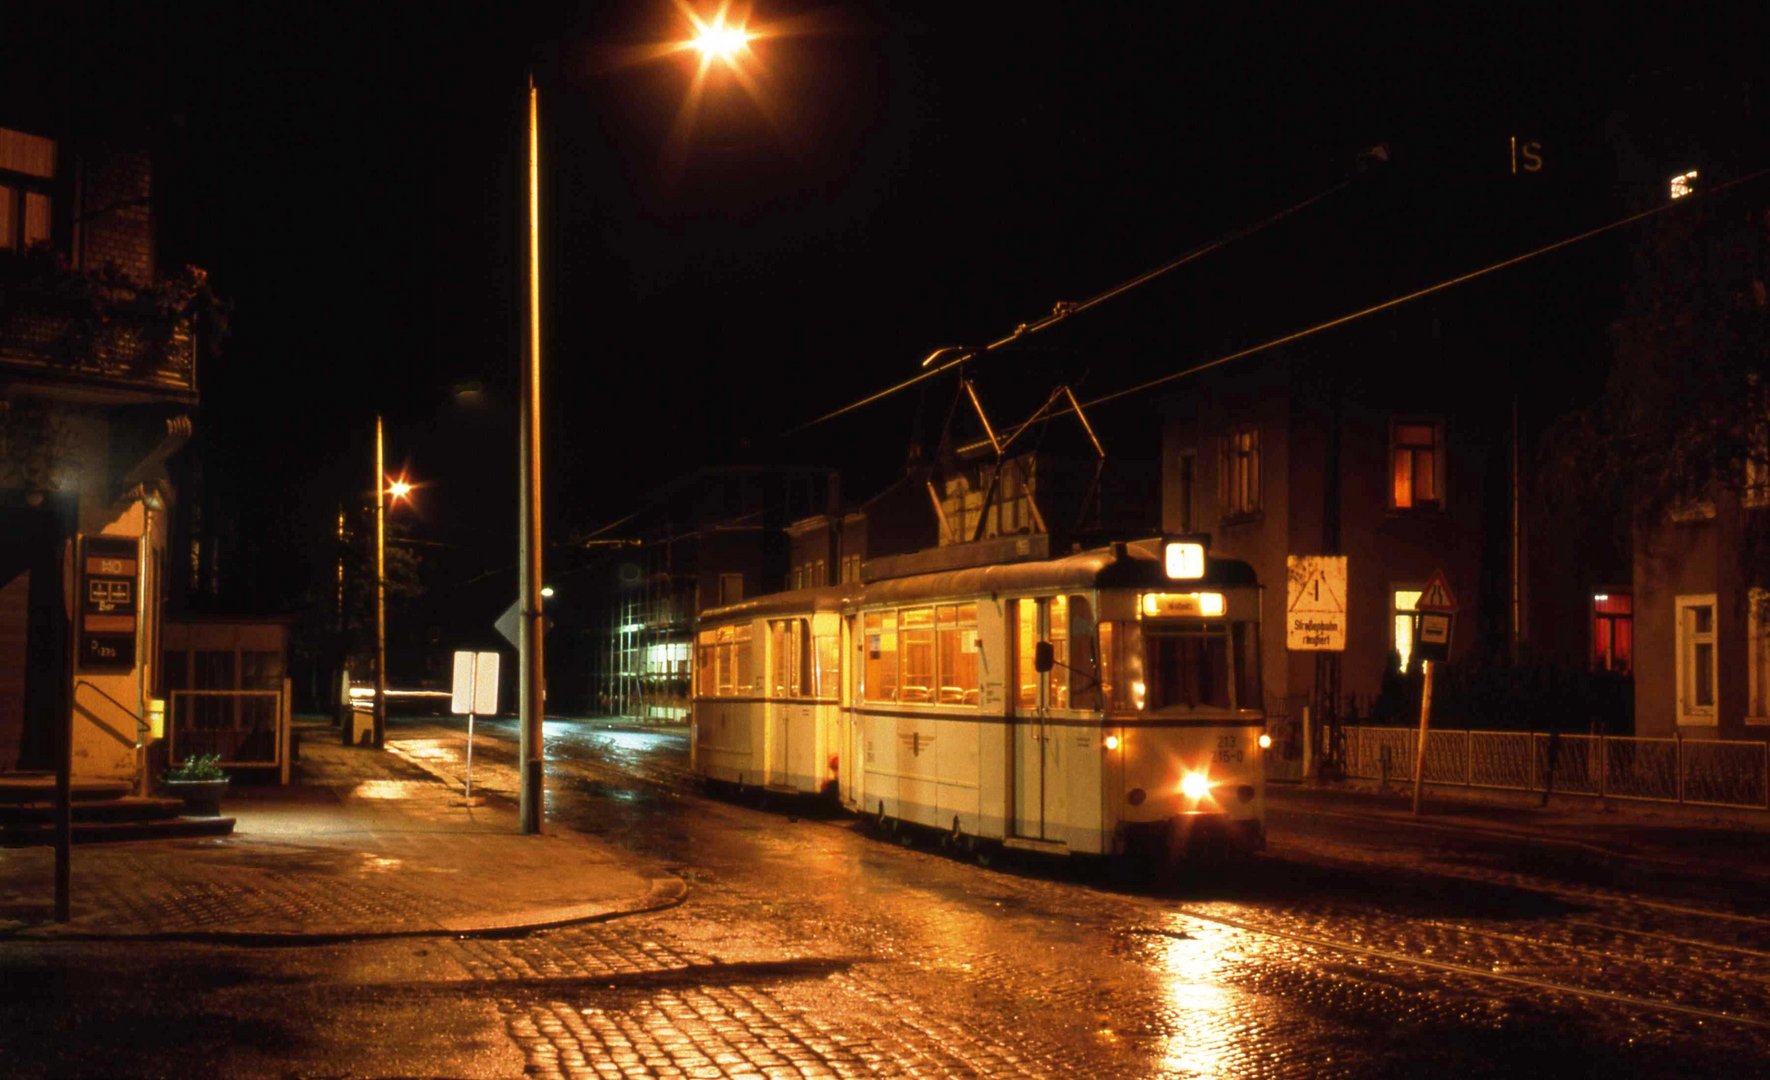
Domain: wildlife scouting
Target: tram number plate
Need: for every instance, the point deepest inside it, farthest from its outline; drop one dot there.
(1228, 749)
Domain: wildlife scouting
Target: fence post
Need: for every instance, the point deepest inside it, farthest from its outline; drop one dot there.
(1532, 737)
(1767, 774)
(1678, 762)
(1604, 765)
(1468, 757)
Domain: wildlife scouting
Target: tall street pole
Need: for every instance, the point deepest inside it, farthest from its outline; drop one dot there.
(380, 725)
(532, 704)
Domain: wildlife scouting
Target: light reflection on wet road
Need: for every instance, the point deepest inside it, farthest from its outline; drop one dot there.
(1353, 948)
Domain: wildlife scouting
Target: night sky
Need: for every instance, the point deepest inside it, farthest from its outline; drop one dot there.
(911, 176)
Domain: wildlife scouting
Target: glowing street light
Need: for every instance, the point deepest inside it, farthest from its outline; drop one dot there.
(384, 489)
(716, 40)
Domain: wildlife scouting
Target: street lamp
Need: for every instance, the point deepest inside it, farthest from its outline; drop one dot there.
(716, 40)
(384, 490)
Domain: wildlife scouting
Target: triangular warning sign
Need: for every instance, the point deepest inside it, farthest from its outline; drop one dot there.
(1318, 594)
(1437, 595)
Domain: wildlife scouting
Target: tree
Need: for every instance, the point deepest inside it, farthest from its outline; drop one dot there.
(1685, 413)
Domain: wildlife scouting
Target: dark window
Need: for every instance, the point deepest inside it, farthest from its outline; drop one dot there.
(1241, 472)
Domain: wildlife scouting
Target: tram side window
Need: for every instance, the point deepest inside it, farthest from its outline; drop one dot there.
(827, 678)
(1057, 697)
(879, 668)
(916, 626)
(705, 648)
(1083, 691)
(1122, 681)
(957, 648)
(741, 680)
(789, 666)
(1026, 639)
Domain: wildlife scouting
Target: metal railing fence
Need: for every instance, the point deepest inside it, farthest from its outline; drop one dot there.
(1707, 772)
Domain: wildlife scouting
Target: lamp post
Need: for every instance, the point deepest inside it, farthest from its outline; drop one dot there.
(397, 489)
(715, 40)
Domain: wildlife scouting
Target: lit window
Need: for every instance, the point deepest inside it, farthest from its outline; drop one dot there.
(1613, 632)
(879, 667)
(789, 660)
(1402, 619)
(1696, 659)
(1241, 472)
(1414, 462)
(917, 655)
(957, 626)
(27, 165)
(1683, 184)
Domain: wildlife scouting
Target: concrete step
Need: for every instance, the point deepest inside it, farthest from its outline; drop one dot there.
(126, 808)
(34, 834)
(40, 787)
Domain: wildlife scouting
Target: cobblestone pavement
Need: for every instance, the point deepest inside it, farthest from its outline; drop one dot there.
(364, 845)
(809, 949)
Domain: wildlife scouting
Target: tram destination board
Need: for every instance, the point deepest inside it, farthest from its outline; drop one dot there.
(108, 609)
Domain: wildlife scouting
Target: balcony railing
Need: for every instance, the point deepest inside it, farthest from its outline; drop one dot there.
(113, 345)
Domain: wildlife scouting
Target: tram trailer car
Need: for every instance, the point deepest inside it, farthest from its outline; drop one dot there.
(767, 691)
(1106, 702)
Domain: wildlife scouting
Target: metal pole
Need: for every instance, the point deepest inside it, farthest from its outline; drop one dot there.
(532, 686)
(1425, 724)
(64, 754)
(379, 733)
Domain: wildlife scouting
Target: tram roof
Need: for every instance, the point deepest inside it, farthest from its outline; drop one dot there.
(1131, 565)
(791, 602)
(1135, 565)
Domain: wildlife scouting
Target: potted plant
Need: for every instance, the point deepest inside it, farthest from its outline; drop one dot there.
(199, 783)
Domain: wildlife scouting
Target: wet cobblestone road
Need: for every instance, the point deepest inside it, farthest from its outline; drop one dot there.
(808, 947)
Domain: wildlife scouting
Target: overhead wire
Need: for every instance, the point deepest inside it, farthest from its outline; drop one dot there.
(1393, 302)
(1063, 311)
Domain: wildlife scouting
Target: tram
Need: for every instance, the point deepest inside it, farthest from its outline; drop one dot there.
(767, 691)
(1105, 702)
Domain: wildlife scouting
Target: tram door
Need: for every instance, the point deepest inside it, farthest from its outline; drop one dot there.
(1038, 782)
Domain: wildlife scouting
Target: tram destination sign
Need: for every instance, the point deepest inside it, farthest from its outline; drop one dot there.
(108, 608)
(1315, 603)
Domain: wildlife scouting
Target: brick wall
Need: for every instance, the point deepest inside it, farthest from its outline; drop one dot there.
(117, 229)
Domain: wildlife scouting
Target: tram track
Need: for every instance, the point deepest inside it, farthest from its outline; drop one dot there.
(1714, 987)
(1468, 970)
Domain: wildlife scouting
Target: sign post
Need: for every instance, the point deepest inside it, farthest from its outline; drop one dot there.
(474, 693)
(1436, 610)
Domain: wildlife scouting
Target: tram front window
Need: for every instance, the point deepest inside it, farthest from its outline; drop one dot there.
(1188, 667)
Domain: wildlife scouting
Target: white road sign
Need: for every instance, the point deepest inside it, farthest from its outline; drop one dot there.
(1315, 603)
(475, 688)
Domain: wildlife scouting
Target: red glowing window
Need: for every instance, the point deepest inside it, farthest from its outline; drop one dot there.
(1613, 632)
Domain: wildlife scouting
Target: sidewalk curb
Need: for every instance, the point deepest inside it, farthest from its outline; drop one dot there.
(664, 893)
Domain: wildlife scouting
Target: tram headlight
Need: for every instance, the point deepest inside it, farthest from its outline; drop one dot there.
(1265, 741)
(1112, 742)
(1195, 786)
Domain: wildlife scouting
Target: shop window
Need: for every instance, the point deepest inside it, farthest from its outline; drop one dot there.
(1241, 472)
(1416, 465)
(1613, 632)
(1696, 658)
